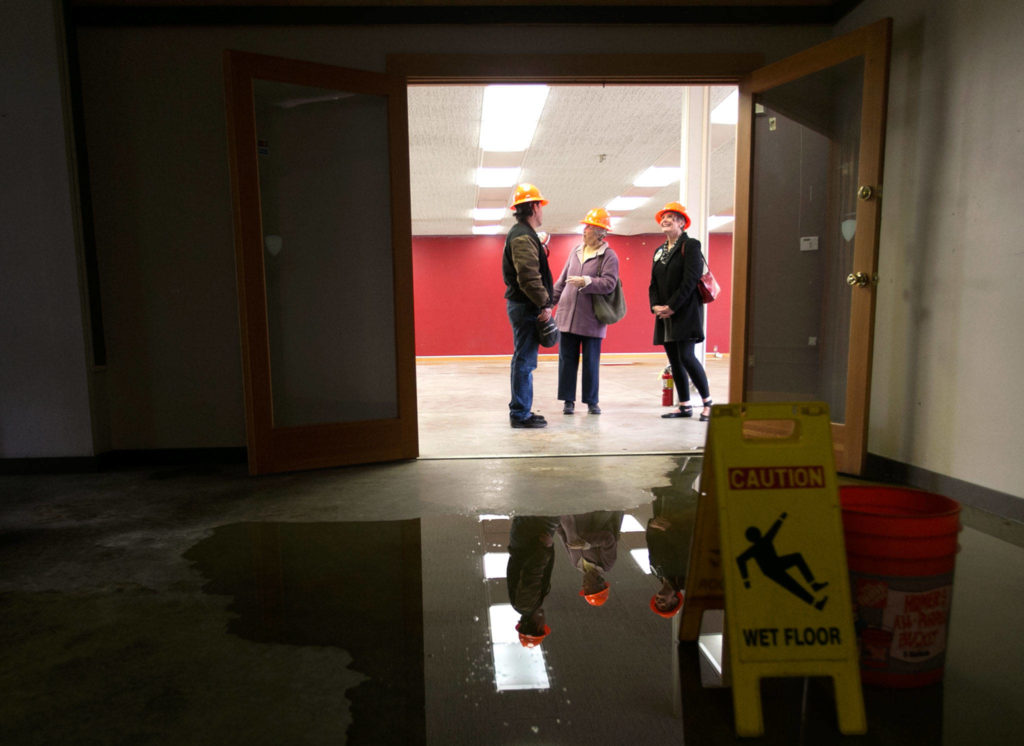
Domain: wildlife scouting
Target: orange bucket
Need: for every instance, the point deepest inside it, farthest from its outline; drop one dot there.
(901, 548)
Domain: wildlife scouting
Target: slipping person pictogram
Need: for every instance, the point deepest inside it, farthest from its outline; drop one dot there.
(776, 568)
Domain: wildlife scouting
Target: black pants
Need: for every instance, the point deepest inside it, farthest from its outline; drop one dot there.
(683, 361)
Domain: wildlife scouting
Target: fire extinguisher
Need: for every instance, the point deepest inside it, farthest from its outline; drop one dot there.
(666, 386)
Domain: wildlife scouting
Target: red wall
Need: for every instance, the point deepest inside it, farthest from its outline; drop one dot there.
(460, 304)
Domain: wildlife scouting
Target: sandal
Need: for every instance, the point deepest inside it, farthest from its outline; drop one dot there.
(682, 411)
(706, 417)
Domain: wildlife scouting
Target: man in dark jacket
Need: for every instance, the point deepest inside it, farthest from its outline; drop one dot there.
(529, 298)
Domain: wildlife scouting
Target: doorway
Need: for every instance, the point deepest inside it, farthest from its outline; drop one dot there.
(627, 148)
(352, 440)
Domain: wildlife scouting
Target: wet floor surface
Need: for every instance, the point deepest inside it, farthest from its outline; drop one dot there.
(372, 606)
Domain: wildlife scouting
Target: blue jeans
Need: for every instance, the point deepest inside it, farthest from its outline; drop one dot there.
(523, 317)
(569, 362)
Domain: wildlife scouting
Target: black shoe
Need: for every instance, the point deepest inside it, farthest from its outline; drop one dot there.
(569, 407)
(593, 409)
(686, 411)
(533, 421)
(705, 417)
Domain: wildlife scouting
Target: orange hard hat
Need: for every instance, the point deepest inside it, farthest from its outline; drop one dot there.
(671, 612)
(527, 193)
(674, 207)
(598, 217)
(532, 641)
(596, 599)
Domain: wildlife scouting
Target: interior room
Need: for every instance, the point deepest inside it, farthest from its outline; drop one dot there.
(634, 162)
(179, 569)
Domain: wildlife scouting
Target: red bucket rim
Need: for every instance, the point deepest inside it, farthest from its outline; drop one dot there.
(940, 506)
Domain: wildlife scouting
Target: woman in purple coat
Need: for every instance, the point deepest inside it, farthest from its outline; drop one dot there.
(592, 268)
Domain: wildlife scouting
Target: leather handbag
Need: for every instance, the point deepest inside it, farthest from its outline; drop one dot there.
(611, 307)
(708, 286)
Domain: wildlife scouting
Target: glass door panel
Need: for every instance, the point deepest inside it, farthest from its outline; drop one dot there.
(325, 208)
(320, 178)
(806, 138)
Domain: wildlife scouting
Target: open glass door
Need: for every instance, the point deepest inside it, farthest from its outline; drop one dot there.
(320, 177)
(809, 179)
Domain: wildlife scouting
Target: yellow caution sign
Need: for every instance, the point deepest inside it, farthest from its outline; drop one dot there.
(787, 596)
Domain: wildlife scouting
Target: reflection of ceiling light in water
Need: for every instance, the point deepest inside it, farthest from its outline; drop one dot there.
(630, 524)
(495, 565)
(643, 561)
(515, 667)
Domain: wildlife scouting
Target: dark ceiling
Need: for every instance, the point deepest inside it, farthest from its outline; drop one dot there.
(355, 12)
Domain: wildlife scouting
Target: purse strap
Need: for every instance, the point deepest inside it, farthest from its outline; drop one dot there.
(705, 261)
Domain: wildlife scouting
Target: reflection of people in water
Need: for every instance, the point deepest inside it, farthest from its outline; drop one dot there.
(775, 567)
(531, 555)
(667, 550)
(592, 541)
(668, 538)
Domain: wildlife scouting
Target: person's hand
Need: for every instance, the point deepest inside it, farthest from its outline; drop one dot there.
(544, 315)
(662, 312)
(576, 281)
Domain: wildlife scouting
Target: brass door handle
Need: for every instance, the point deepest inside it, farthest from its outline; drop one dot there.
(866, 192)
(860, 279)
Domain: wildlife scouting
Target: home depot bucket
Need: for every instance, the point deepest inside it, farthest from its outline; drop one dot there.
(901, 547)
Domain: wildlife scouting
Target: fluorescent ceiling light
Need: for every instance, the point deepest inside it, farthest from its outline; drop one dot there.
(487, 230)
(727, 112)
(497, 177)
(626, 204)
(715, 221)
(658, 176)
(510, 116)
(489, 213)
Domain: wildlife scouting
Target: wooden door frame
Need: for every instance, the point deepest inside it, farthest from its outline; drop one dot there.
(274, 449)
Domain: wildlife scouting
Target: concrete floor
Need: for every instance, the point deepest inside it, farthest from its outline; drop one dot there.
(198, 605)
(463, 410)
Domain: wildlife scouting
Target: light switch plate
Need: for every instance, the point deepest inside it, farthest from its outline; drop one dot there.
(809, 243)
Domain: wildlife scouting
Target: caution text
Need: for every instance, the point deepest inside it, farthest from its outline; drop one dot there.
(776, 477)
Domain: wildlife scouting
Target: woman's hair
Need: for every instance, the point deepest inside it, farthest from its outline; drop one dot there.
(524, 210)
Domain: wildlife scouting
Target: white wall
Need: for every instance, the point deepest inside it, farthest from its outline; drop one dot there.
(949, 350)
(44, 373)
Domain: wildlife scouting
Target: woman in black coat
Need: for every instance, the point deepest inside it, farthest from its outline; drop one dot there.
(679, 314)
